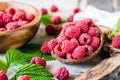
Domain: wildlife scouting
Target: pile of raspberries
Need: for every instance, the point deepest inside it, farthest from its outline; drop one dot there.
(14, 18)
(76, 40)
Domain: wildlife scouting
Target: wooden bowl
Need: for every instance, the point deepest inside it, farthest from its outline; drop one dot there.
(18, 37)
(76, 61)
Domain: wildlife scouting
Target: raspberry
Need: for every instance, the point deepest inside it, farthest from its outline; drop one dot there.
(70, 18)
(75, 41)
(79, 52)
(82, 24)
(11, 26)
(89, 22)
(45, 49)
(19, 15)
(51, 29)
(30, 17)
(44, 11)
(7, 18)
(1, 14)
(23, 77)
(61, 38)
(69, 56)
(38, 60)
(58, 51)
(65, 25)
(88, 49)
(52, 44)
(95, 42)
(60, 28)
(10, 11)
(21, 23)
(53, 8)
(62, 74)
(3, 76)
(73, 31)
(76, 10)
(93, 31)
(116, 42)
(2, 29)
(2, 23)
(85, 39)
(56, 19)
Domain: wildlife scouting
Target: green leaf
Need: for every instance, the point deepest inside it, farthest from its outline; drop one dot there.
(3, 66)
(118, 25)
(13, 55)
(36, 72)
(46, 19)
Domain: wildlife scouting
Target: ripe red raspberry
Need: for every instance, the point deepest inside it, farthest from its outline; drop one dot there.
(85, 39)
(116, 42)
(75, 41)
(76, 10)
(10, 11)
(45, 49)
(69, 56)
(2, 29)
(82, 24)
(95, 42)
(56, 19)
(30, 17)
(1, 14)
(58, 51)
(38, 60)
(73, 31)
(93, 31)
(79, 52)
(2, 23)
(52, 43)
(11, 26)
(44, 11)
(88, 49)
(7, 18)
(89, 22)
(70, 18)
(51, 29)
(53, 8)
(61, 38)
(66, 25)
(24, 77)
(3, 76)
(62, 74)
(21, 23)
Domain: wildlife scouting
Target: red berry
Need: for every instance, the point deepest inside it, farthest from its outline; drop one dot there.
(44, 11)
(53, 8)
(2, 23)
(52, 43)
(10, 11)
(69, 56)
(116, 42)
(61, 38)
(62, 74)
(21, 23)
(23, 77)
(7, 18)
(89, 22)
(65, 25)
(93, 31)
(56, 19)
(95, 42)
(51, 29)
(30, 17)
(2, 29)
(45, 49)
(3, 76)
(70, 18)
(11, 26)
(38, 60)
(76, 10)
(1, 14)
(88, 49)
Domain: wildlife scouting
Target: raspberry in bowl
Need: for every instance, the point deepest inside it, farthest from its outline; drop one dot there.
(19, 23)
(77, 42)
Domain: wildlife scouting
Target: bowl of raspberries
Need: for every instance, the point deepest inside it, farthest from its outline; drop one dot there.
(77, 42)
(19, 22)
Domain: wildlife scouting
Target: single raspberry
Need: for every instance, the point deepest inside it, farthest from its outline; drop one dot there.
(56, 19)
(45, 49)
(62, 74)
(73, 31)
(75, 41)
(95, 42)
(88, 49)
(93, 31)
(76, 10)
(2, 23)
(85, 39)
(7, 18)
(24, 77)
(116, 42)
(82, 24)
(52, 43)
(44, 11)
(3, 76)
(30, 17)
(53, 8)
(70, 18)
(11, 26)
(61, 38)
(51, 29)
(89, 22)
(69, 56)
(79, 52)
(2, 29)
(19, 15)
(21, 23)
(66, 25)
(1, 14)
(58, 51)
(10, 11)
(38, 60)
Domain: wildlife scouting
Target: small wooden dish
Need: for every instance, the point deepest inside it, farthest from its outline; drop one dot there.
(18, 37)
(75, 61)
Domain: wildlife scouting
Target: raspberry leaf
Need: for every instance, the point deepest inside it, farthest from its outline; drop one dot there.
(3, 66)
(46, 19)
(118, 25)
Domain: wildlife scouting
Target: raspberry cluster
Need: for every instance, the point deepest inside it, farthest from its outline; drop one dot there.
(14, 18)
(76, 40)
